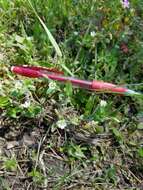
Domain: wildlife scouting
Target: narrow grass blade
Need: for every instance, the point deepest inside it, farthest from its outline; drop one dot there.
(67, 70)
(50, 36)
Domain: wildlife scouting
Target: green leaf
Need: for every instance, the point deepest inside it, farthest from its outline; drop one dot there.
(89, 105)
(111, 173)
(140, 152)
(4, 101)
(12, 112)
(10, 165)
(33, 111)
(118, 136)
(68, 89)
(36, 176)
(76, 151)
(140, 125)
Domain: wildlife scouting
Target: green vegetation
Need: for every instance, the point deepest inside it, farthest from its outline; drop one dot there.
(54, 136)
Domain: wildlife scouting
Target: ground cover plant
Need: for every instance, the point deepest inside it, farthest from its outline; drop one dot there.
(54, 136)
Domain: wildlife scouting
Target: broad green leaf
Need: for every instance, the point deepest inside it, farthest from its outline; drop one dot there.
(4, 101)
(12, 112)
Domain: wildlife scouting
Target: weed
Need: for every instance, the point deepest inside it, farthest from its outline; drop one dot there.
(80, 139)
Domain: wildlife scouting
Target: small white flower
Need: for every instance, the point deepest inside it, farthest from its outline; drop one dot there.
(26, 104)
(29, 38)
(52, 85)
(18, 84)
(93, 34)
(103, 103)
(61, 124)
(75, 33)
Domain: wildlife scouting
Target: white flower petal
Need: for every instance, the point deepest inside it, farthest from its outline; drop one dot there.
(61, 124)
(103, 103)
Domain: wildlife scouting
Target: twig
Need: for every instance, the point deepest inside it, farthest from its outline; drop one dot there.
(133, 175)
(38, 153)
(39, 147)
(42, 164)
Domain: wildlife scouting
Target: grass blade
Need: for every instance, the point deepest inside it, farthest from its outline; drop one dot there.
(50, 36)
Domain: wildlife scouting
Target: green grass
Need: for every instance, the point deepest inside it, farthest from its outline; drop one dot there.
(56, 136)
